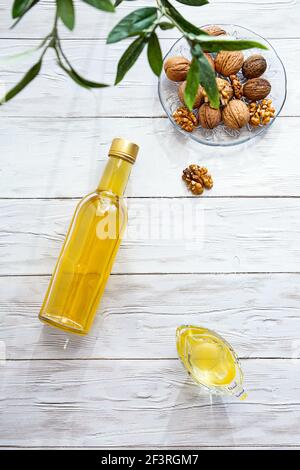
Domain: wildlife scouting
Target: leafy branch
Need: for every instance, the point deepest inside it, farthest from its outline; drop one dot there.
(142, 24)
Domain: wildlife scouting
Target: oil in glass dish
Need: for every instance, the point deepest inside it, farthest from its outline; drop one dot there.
(210, 360)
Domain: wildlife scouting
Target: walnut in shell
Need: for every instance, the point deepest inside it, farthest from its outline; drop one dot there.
(256, 89)
(254, 66)
(209, 117)
(229, 62)
(236, 114)
(176, 68)
(199, 96)
(214, 30)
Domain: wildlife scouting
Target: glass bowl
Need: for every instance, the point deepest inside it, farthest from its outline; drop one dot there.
(222, 135)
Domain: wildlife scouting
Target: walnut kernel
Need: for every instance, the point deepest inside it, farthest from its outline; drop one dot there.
(261, 113)
(185, 119)
(225, 90)
(237, 86)
(197, 178)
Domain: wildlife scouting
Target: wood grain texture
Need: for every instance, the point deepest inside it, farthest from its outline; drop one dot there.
(54, 94)
(122, 385)
(67, 157)
(156, 447)
(138, 316)
(167, 236)
(145, 403)
(263, 16)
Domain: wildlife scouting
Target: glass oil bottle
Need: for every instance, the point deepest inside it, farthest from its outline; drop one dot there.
(210, 360)
(90, 247)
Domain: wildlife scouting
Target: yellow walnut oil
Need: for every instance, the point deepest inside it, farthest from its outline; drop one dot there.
(210, 360)
(90, 247)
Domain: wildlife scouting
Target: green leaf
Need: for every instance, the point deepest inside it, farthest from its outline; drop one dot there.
(104, 5)
(193, 3)
(65, 10)
(118, 2)
(81, 80)
(129, 58)
(208, 80)
(155, 58)
(192, 83)
(219, 44)
(179, 20)
(18, 56)
(164, 25)
(28, 77)
(133, 24)
(20, 7)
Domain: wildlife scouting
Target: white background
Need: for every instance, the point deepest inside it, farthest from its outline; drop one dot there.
(123, 385)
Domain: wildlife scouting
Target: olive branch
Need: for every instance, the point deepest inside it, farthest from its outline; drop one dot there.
(142, 24)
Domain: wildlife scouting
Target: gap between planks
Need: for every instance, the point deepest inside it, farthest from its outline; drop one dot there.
(112, 116)
(103, 38)
(77, 198)
(140, 359)
(192, 273)
(151, 447)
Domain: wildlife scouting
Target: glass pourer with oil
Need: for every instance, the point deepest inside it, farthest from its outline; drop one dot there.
(90, 247)
(210, 360)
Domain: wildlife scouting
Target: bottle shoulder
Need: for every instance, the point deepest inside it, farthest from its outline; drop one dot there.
(101, 198)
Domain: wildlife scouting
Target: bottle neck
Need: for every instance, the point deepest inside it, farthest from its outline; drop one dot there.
(115, 176)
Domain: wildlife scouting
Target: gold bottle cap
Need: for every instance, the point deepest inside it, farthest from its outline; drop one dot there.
(125, 149)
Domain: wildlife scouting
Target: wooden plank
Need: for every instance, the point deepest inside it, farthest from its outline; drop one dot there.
(173, 236)
(49, 148)
(233, 447)
(93, 24)
(54, 94)
(138, 316)
(144, 403)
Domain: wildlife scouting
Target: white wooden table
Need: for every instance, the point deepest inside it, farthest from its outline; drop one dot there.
(123, 386)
